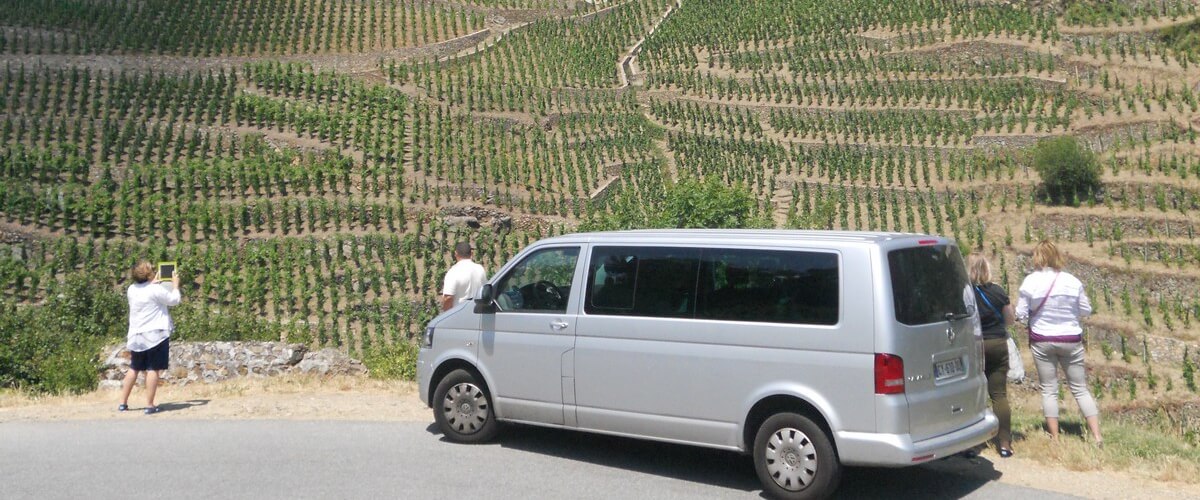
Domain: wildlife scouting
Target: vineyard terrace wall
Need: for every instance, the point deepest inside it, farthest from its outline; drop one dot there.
(209, 362)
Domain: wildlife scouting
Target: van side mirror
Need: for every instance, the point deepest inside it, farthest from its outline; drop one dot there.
(485, 300)
(486, 294)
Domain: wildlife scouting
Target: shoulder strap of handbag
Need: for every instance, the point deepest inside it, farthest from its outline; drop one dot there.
(1044, 299)
(979, 291)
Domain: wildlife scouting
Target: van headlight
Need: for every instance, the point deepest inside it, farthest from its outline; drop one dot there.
(427, 339)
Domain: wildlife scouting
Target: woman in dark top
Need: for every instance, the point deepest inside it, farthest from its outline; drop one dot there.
(995, 316)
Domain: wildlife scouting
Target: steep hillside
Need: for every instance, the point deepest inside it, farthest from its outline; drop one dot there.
(310, 162)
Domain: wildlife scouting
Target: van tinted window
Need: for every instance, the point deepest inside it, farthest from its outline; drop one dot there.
(643, 281)
(928, 283)
(722, 284)
(769, 286)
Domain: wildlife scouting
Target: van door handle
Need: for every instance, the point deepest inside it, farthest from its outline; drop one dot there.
(558, 325)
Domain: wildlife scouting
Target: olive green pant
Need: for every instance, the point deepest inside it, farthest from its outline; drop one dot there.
(995, 354)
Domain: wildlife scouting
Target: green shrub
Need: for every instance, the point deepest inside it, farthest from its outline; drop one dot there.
(72, 369)
(55, 347)
(709, 203)
(397, 361)
(1070, 173)
(1096, 13)
(688, 203)
(1183, 38)
(197, 322)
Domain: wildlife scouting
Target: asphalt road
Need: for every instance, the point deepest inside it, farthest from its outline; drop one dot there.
(144, 458)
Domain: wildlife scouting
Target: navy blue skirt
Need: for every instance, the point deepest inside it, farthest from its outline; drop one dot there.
(154, 358)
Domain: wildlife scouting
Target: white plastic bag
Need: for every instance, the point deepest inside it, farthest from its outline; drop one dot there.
(1016, 367)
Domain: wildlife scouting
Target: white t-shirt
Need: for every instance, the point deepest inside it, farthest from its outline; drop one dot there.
(149, 320)
(1065, 305)
(463, 280)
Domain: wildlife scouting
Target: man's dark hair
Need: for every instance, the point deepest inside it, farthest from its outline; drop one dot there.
(462, 249)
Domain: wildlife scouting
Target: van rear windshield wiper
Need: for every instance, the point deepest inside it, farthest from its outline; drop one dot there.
(957, 316)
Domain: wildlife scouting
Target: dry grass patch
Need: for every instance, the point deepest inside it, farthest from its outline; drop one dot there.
(1143, 438)
(291, 397)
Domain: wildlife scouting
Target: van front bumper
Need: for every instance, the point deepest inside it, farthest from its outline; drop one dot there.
(423, 375)
(899, 450)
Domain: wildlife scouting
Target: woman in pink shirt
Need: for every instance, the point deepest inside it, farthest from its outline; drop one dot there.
(1052, 302)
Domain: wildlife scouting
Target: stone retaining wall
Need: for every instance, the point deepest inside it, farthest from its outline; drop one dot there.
(216, 361)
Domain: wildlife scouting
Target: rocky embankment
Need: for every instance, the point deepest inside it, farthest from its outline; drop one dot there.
(210, 362)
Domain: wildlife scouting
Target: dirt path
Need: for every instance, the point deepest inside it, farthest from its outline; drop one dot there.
(348, 398)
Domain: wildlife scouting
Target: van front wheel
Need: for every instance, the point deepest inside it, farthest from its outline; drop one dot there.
(795, 459)
(463, 408)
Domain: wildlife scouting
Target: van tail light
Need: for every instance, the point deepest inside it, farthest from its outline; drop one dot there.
(980, 356)
(889, 374)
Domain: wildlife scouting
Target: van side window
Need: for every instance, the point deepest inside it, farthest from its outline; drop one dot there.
(722, 284)
(643, 281)
(769, 286)
(539, 283)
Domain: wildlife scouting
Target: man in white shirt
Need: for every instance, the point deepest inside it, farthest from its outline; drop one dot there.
(464, 279)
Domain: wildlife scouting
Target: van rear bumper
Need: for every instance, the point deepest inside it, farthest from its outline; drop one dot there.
(899, 450)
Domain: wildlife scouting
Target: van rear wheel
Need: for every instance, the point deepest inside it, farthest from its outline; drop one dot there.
(795, 458)
(463, 408)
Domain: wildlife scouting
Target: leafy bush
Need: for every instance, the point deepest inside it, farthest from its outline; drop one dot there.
(1069, 172)
(1096, 13)
(822, 216)
(397, 361)
(195, 322)
(55, 347)
(1183, 38)
(709, 203)
(689, 203)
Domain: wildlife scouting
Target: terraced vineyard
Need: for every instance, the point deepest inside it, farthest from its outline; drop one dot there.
(310, 162)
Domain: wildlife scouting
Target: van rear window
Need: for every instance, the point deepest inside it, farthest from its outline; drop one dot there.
(928, 283)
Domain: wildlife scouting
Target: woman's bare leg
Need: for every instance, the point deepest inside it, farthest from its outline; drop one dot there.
(151, 386)
(1093, 423)
(127, 385)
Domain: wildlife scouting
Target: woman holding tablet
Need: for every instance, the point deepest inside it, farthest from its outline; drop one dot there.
(150, 327)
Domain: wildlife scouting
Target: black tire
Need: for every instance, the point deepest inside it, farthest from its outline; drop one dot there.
(462, 408)
(795, 458)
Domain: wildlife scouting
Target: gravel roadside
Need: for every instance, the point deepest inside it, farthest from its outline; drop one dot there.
(360, 399)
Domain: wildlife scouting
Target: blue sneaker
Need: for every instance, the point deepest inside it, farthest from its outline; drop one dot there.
(152, 410)
(122, 407)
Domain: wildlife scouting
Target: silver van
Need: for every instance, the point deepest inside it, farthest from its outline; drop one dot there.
(809, 350)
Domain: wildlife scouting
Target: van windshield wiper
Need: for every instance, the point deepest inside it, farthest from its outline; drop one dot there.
(956, 316)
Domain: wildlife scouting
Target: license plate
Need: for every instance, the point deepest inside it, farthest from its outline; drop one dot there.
(947, 369)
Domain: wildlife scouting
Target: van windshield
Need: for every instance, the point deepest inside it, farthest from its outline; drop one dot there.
(929, 284)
